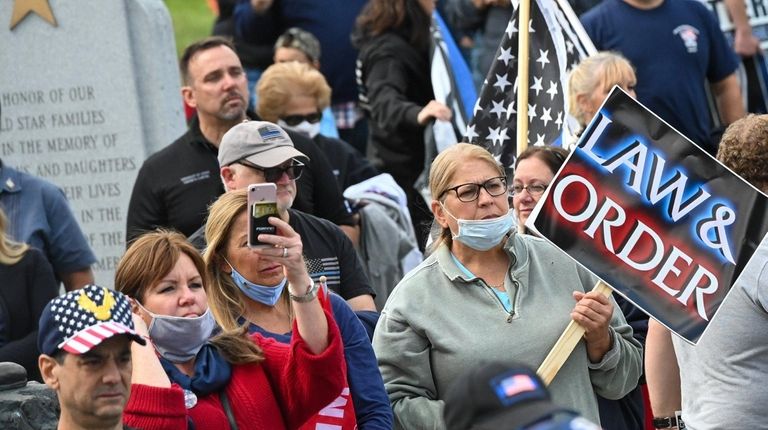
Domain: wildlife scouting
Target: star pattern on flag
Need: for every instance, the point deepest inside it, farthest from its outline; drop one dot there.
(552, 54)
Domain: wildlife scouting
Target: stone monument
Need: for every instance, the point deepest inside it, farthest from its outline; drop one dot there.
(88, 90)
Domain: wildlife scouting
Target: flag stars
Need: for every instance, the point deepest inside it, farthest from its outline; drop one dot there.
(537, 85)
(531, 112)
(506, 55)
(552, 91)
(511, 28)
(511, 109)
(502, 82)
(545, 116)
(559, 120)
(471, 133)
(539, 140)
(543, 57)
(569, 46)
(498, 109)
(497, 135)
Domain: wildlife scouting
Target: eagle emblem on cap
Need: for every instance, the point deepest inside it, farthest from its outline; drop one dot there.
(101, 312)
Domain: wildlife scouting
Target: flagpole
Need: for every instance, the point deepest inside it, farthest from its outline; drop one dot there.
(524, 16)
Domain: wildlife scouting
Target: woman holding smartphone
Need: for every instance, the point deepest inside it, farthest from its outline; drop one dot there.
(250, 290)
(190, 376)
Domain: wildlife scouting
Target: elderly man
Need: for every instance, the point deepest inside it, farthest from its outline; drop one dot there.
(175, 185)
(85, 340)
(257, 152)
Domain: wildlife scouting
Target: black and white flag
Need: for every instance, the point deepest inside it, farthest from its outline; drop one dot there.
(557, 43)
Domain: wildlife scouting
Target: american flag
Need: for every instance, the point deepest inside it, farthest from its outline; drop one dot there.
(517, 384)
(557, 43)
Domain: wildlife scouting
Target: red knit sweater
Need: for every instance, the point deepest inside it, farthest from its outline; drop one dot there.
(281, 392)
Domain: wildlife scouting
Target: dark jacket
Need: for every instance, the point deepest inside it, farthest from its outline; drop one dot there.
(25, 288)
(176, 185)
(396, 85)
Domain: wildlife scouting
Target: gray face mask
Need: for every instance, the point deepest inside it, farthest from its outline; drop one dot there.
(179, 339)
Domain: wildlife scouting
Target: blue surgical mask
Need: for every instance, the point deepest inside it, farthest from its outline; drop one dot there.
(260, 293)
(482, 234)
(179, 339)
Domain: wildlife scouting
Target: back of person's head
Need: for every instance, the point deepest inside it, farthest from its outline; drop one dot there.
(744, 149)
(150, 258)
(281, 82)
(443, 169)
(197, 47)
(552, 156)
(302, 40)
(505, 396)
(405, 17)
(602, 70)
(225, 299)
(10, 251)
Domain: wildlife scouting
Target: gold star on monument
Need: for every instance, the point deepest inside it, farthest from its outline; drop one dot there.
(22, 8)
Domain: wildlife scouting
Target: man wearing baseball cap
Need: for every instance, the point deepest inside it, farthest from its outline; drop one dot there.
(506, 396)
(85, 343)
(258, 152)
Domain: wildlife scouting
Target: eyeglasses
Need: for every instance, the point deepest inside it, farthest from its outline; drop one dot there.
(533, 189)
(294, 120)
(470, 192)
(273, 174)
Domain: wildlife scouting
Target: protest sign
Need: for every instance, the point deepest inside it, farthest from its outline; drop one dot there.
(653, 215)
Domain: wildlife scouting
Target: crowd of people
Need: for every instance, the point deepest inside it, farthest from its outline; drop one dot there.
(202, 330)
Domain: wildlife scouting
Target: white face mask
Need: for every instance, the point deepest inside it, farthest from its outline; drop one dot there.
(305, 127)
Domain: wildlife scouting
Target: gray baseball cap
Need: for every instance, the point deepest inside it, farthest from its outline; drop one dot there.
(302, 40)
(262, 143)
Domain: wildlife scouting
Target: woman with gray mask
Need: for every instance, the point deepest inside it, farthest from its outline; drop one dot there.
(488, 293)
(192, 374)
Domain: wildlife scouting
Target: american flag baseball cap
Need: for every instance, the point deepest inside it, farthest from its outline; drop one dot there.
(80, 320)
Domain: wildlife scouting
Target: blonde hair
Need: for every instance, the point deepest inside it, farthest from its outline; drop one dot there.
(602, 70)
(282, 81)
(442, 171)
(10, 251)
(153, 255)
(227, 302)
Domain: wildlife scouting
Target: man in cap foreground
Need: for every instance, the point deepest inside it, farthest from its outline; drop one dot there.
(497, 396)
(85, 343)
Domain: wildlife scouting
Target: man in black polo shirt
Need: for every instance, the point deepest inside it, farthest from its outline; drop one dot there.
(175, 185)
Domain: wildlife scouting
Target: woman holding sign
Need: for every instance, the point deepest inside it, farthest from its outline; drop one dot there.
(487, 293)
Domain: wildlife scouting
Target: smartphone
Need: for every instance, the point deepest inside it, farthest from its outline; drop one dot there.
(262, 204)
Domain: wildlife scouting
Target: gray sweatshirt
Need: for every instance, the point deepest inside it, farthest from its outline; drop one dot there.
(439, 321)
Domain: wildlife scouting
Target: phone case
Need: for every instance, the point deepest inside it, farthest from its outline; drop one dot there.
(262, 204)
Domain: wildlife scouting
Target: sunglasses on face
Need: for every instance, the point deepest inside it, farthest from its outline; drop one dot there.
(294, 120)
(273, 174)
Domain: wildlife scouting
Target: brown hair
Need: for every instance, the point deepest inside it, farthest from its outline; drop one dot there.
(402, 16)
(153, 255)
(744, 149)
(199, 46)
(10, 251)
(602, 70)
(443, 169)
(227, 302)
(282, 81)
(552, 156)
